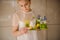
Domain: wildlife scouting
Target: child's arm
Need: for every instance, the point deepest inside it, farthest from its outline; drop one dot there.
(15, 30)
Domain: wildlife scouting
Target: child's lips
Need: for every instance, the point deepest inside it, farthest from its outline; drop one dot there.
(26, 9)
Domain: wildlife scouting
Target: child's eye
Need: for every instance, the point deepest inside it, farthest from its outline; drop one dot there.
(26, 4)
(21, 5)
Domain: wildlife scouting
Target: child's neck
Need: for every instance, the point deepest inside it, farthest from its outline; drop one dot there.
(28, 11)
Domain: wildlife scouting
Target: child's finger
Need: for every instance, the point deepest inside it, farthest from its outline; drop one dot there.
(26, 28)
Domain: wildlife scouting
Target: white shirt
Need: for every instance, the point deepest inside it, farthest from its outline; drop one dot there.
(30, 35)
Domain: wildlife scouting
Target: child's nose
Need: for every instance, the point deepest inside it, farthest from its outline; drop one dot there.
(25, 7)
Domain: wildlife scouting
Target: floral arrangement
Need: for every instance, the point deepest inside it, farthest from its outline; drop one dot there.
(37, 23)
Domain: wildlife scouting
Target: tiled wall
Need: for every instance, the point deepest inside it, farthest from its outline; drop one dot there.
(50, 8)
(6, 11)
(53, 19)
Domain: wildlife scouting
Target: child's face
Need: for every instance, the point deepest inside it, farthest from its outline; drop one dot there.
(25, 6)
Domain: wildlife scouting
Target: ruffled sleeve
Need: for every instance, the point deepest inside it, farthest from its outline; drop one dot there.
(14, 20)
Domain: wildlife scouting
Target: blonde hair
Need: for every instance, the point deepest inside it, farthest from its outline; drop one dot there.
(24, 0)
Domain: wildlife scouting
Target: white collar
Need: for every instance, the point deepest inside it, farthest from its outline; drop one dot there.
(26, 12)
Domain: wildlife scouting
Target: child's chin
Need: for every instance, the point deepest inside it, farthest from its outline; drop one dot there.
(26, 10)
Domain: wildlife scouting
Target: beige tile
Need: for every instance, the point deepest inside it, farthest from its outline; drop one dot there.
(53, 12)
(53, 32)
(6, 33)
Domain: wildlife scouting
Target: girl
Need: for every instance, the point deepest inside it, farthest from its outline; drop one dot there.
(19, 30)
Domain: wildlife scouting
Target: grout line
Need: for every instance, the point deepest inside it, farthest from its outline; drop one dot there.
(53, 24)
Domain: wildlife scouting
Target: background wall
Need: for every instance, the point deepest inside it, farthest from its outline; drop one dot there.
(50, 8)
(53, 15)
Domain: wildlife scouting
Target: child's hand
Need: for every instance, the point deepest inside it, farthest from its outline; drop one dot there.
(24, 30)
